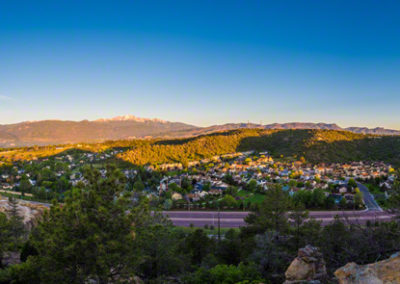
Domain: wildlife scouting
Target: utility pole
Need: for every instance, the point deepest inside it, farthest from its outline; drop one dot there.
(219, 225)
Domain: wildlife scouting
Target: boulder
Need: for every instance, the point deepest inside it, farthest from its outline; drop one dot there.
(382, 272)
(307, 267)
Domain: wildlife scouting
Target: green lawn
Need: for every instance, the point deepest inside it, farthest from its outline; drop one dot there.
(374, 189)
(250, 197)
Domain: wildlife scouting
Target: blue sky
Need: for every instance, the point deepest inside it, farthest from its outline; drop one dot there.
(201, 62)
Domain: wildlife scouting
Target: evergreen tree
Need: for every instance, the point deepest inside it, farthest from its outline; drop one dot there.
(297, 217)
(394, 199)
(271, 215)
(198, 245)
(16, 224)
(92, 235)
(5, 235)
(25, 185)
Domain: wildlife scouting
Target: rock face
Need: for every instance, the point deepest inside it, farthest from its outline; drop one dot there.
(382, 272)
(307, 267)
(28, 211)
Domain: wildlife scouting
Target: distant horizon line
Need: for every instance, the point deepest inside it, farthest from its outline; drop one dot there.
(142, 119)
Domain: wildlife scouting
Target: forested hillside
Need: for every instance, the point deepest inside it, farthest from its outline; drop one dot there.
(314, 145)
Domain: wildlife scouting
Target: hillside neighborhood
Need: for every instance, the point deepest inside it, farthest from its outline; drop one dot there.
(230, 181)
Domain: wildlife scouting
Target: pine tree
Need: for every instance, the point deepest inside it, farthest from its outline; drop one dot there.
(16, 223)
(271, 215)
(92, 235)
(394, 199)
(13, 210)
(297, 217)
(5, 236)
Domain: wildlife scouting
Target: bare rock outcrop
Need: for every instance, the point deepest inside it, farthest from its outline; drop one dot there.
(30, 212)
(382, 272)
(307, 267)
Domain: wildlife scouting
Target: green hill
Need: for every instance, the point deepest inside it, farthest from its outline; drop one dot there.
(314, 145)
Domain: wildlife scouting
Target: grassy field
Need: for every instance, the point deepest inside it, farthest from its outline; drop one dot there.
(377, 192)
(250, 197)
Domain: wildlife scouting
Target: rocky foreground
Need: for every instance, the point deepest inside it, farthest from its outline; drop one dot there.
(386, 272)
(309, 268)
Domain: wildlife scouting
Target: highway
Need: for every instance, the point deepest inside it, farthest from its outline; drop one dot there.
(236, 219)
(372, 213)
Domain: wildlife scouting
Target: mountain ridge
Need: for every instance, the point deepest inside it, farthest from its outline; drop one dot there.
(47, 132)
(307, 125)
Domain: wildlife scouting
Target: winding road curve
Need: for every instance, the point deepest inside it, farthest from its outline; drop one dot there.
(369, 199)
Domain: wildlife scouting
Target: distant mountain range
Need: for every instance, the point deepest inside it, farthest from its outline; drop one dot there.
(49, 132)
(298, 125)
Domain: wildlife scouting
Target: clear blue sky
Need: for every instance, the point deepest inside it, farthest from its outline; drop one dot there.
(201, 62)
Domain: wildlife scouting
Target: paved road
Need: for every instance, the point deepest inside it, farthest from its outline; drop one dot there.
(236, 219)
(369, 199)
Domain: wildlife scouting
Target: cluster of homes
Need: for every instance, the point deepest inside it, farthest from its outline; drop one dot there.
(293, 176)
(10, 179)
(86, 157)
(208, 177)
